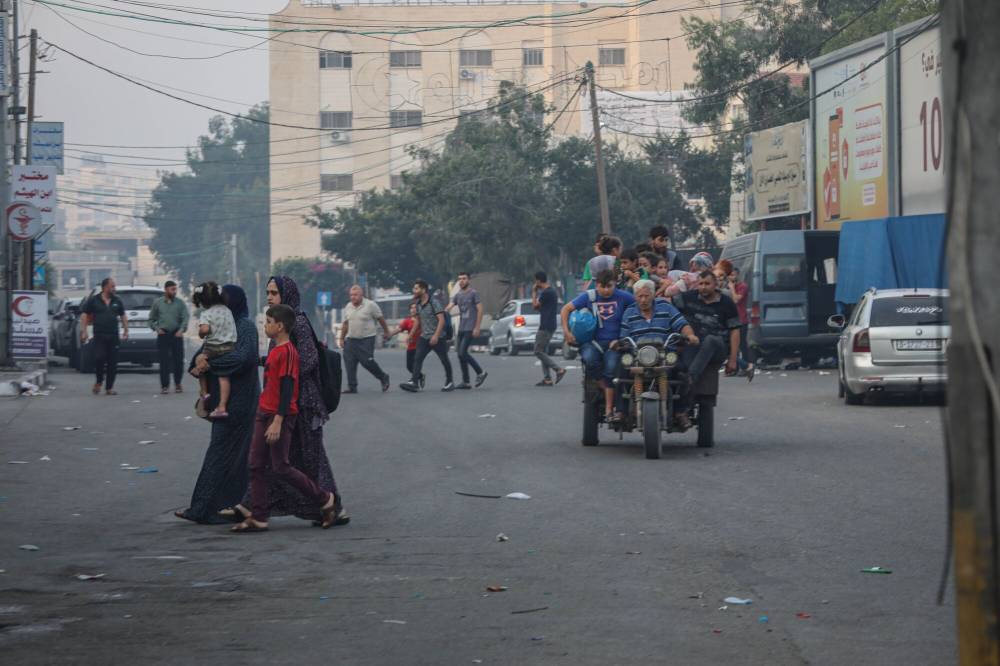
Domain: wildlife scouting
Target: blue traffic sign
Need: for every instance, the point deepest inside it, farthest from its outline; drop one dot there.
(324, 299)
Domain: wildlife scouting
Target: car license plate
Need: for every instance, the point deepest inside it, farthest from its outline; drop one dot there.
(918, 345)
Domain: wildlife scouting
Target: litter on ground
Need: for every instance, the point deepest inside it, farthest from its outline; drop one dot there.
(30, 547)
(487, 416)
(736, 601)
(518, 496)
(496, 588)
(45, 459)
(71, 427)
(502, 537)
(90, 576)
(876, 570)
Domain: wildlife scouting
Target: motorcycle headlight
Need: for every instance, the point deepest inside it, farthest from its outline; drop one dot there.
(671, 358)
(627, 359)
(648, 356)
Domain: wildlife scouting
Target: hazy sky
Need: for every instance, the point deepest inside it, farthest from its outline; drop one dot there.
(100, 109)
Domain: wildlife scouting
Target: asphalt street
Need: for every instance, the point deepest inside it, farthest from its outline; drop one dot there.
(614, 560)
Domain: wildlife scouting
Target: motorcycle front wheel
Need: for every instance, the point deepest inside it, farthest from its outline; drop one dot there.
(651, 428)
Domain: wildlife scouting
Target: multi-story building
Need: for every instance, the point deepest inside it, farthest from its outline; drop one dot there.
(347, 106)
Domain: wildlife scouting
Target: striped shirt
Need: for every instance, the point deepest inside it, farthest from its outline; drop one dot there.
(666, 320)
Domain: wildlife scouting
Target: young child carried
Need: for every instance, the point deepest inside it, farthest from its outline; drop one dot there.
(217, 329)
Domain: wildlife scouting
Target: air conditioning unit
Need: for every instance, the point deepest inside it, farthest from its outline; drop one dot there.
(340, 136)
(466, 74)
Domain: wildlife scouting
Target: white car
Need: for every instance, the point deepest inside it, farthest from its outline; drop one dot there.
(895, 340)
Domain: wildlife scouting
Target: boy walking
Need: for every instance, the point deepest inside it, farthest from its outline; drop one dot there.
(277, 411)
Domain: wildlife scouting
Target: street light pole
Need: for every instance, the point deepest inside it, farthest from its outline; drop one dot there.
(602, 184)
(6, 257)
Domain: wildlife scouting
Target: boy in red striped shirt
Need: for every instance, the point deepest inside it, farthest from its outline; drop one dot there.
(275, 421)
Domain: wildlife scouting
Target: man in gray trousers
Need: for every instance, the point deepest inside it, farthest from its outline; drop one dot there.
(357, 338)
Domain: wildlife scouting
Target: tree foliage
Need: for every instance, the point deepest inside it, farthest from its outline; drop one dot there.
(501, 196)
(313, 275)
(226, 191)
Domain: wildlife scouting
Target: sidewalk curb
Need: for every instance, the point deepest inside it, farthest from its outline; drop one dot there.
(12, 387)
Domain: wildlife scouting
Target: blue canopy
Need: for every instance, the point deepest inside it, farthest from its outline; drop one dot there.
(890, 253)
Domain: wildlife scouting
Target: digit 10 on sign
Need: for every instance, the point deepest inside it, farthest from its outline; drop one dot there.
(935, 131)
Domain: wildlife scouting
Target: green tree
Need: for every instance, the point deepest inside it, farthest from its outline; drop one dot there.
(226, 191)
(313, 275)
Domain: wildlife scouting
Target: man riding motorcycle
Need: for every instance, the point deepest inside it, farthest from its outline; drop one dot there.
(656, 317)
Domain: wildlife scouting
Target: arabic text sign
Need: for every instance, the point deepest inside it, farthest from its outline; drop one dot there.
(921, 124)
(35, 185)
(852, 178)
(47, 145)
(777, 167)
(4, 89)
(29, 312)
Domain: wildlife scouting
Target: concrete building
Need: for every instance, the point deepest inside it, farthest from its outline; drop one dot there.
(347, 107)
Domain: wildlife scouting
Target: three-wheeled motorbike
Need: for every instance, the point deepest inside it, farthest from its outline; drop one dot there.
(651, 388)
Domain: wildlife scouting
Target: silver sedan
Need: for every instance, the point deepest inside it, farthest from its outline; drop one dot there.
(514, 329)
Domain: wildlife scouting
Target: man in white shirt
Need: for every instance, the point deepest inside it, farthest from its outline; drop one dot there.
(357, 338)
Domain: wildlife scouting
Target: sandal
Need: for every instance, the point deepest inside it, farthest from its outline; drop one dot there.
(111, 392)
(164, 391)
(95, 389)
(183, 515)
(559, 375)
(233, 514)
(248, 527)
(329, 512)
(545, 382)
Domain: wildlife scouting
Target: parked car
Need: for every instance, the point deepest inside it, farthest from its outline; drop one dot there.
(792, 276)
(895, 340)
(513, 329)
(141, 344)
(61, 325)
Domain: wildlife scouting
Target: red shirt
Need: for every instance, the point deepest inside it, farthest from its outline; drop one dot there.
(282, 361)
(741, 301)
(412, 327)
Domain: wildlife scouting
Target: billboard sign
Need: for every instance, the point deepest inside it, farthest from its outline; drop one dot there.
(36, 186)
(777, 168)
(29, 334)
(851, 139)
(921, 124)
(47, 145)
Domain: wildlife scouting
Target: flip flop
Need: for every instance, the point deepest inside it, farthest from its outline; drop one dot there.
(330, 513)
(232, 514)
(247, 528)
(183, 515)
(559, 375)
(545, 382)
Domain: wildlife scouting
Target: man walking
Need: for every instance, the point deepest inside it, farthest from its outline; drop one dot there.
(545, 300)
(357, 338)
(169, 318)
(470, 310)
(432, 328)
(104, 310)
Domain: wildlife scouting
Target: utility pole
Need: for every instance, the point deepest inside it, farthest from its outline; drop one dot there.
(232, 245)
(28, 246)
(6, 259)
(602, 184)
(970, 53)
(15, 76)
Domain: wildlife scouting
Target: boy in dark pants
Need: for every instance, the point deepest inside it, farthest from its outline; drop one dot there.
(275, 421)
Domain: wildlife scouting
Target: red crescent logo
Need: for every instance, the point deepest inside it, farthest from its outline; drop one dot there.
(17, 308)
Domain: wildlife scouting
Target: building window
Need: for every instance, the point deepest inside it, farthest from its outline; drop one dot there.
(406, 118)
(611, 56)
(335, 119)
(334, 59)
(475, 58)
(404, 59)
(395, 181)
(336, 182)
(532, 57)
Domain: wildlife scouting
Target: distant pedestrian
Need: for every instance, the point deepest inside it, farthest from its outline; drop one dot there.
(104, 310)
(470, 310)
(411, 325)
(357, 338)
(432, 332)
(277, 412)
(659, 239)
(217, 328)
(546, 301)
(169, 318)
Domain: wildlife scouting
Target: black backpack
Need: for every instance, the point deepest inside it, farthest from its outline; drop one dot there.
(330, 373)
(448, 332)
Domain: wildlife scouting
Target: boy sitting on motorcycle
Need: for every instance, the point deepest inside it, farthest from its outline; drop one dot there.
(599, 356)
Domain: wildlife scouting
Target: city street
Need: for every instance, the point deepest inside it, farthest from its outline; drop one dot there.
(614, 559)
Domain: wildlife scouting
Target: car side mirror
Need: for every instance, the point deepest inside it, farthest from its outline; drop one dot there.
(837, 321)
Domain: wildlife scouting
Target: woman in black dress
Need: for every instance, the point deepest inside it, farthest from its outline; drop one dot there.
(223, 479)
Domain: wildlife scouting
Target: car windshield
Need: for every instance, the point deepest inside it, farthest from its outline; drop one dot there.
(138, 300)
(916, 310)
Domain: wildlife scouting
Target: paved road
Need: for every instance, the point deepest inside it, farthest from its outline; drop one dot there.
(630, 559)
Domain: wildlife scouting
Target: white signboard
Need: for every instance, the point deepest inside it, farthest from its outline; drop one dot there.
(24, 221)
(29, 334)
(921, 124)
(35, 185)
(47, 145)
(642, 112)
(777, 168)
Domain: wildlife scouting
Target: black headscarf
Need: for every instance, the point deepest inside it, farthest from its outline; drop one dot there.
(289, 291)
(236, 301)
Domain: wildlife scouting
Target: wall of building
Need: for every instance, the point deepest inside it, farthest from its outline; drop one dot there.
(442, 87)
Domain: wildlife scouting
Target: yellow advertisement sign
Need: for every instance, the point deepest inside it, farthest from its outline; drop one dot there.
(851, 139)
